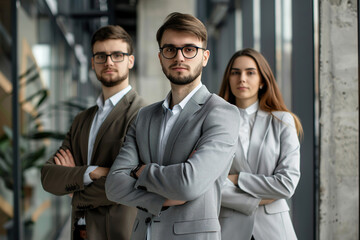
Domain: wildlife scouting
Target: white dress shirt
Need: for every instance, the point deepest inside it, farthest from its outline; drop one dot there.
(247, 119)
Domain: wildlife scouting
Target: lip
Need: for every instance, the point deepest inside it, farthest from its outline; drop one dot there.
(179, 69)
(242, 88)
(108, 71)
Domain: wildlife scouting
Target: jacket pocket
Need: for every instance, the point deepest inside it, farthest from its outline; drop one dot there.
(198, 226)
(277, 207)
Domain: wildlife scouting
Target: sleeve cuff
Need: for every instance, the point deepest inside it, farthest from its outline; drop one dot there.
(87, 179)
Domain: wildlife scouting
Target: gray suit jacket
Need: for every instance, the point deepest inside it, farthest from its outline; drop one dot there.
(271, 171)
(90, 201)
(196, 161)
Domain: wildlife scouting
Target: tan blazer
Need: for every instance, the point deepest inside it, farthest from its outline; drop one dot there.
(271, 171)
(104, 218)
(197, 158)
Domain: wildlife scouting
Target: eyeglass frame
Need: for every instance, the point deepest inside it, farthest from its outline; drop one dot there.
(181, 50)
(109, 55)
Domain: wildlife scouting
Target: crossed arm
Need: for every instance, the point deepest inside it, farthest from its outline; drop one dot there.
(65, 158)
(234, 179)
(281, 183)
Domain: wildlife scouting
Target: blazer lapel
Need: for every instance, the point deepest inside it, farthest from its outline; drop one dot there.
(240, 164)
(259, 132)
(119, 110)
(85, 134)
(154, 133)
(194, 104)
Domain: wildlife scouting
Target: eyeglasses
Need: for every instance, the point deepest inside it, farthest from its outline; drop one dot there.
(115, 57)
(187, 51)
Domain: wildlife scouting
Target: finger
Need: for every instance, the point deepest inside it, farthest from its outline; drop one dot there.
(67, 161)
(57, 161)
(70, 156)
(61, 158)
(64, 154)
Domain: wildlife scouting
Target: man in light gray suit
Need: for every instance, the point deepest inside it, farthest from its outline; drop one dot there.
(178, 151)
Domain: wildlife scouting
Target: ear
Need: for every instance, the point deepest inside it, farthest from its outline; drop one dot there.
(92, 63)
(131, 61)
(206, 56)
(261, 85)
(159, 56)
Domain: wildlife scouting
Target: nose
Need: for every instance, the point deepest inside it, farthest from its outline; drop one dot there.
(242, 77)
(108, 60)
(179, 56)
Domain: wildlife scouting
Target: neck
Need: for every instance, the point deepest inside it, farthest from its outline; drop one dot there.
(244, 103)
(110, 91)
(179, 92)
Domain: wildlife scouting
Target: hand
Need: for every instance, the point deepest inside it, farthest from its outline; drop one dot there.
(99, 172)
(266, 201)
(64, 158)
(138, 172)
(169, 203)
(234, 178)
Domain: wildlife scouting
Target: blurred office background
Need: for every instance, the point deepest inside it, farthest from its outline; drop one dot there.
(311, 45)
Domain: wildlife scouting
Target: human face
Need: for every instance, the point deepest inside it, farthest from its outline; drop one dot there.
(245, 81)
(180, 70)
(111, 73)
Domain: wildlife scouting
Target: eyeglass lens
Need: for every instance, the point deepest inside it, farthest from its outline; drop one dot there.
(115, 57)
(187, 51)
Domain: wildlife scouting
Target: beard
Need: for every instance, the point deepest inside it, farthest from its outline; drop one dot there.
(179, 80)
(113, 81)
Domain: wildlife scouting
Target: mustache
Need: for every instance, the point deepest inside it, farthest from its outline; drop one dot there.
(179, 65)
(111, 69)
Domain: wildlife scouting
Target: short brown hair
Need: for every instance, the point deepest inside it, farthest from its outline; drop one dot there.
(112, 32)
(184, 23)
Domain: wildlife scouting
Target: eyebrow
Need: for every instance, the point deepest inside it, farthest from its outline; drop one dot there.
(247, 69)
(110, 52)
(185, 45)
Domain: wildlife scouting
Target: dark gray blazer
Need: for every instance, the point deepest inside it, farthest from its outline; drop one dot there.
(270, 171)
(196, 162)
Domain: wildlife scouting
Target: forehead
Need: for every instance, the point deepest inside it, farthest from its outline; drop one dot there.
(244, 62)
(110, 45)
(179, 38)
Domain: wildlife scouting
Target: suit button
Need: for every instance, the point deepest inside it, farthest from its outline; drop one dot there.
(147, 220)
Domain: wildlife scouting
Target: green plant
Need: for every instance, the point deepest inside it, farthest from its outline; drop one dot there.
(32, 148)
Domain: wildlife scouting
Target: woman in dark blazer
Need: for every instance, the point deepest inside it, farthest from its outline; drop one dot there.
(266, 167)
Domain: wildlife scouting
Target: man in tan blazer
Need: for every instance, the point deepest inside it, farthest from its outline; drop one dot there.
(81, 165)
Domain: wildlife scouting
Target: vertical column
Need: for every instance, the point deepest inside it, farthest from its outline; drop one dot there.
(303, 105)
(339, 122)
(17, 229)
(267, 39)
(247, 10)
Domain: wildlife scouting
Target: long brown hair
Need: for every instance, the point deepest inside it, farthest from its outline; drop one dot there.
(270, 98)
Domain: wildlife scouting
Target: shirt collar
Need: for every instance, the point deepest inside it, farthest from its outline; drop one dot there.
(114, 99)
(251, 109)
(184, 101)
